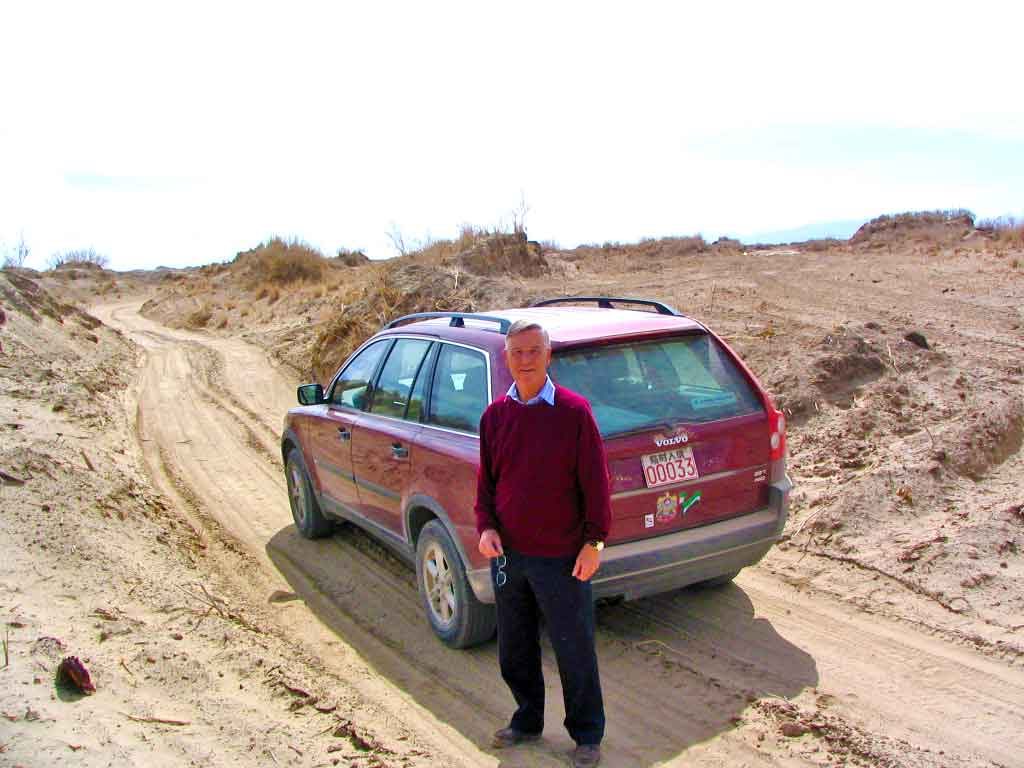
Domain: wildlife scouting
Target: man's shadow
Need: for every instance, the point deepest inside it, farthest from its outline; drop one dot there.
(676, 669)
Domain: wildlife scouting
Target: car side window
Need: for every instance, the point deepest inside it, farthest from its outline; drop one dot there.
(391, 395)
(350, 387)
(418, 398)
(459, 393)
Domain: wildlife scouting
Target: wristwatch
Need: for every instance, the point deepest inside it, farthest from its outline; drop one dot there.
(598, 545)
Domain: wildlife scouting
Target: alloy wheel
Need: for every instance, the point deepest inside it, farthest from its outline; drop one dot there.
(297, 491)
(440, 584)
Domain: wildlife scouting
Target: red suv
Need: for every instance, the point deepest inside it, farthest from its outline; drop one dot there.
(695, 447)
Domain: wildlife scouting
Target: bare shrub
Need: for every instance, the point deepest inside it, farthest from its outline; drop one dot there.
(397, 240)
(78, 257)
(1008, 230)
(18, 255)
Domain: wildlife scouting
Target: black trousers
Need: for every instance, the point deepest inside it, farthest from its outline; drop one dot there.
(527, 588)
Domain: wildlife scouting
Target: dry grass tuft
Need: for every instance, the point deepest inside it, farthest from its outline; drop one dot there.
(269, 292)
(282, 262)
(200, 318)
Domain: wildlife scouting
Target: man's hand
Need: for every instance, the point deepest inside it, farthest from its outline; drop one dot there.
(587, 562)
(490, 544)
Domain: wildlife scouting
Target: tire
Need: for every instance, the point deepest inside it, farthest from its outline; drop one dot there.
(309, 520)
(456, 616)
(718, 581)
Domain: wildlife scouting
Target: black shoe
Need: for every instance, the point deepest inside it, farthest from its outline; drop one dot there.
(586, 756)
(510, 737)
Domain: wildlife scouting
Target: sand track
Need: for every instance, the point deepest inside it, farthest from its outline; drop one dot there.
(680, 671)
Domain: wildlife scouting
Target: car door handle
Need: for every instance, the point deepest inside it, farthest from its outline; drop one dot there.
(399, 451)
(344, 434)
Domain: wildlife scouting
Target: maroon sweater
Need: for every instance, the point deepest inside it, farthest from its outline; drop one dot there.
(543, 478)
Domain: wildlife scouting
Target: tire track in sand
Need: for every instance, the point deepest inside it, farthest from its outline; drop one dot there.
(680, 671)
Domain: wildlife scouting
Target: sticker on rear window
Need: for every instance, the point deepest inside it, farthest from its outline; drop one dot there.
(716, 400)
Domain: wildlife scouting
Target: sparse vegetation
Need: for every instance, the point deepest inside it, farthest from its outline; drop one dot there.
(671, 246)
(925, 224)
(282, 262)
(352, 258)
(269, 292)
(727, 244)
(200, 317)
(422, 282)
(923, 217)
(496, 243)
(18, 255)
(79, 257)
(822, 244)
(1007, 230)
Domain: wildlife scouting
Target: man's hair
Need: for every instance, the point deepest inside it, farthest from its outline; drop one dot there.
(521, 326)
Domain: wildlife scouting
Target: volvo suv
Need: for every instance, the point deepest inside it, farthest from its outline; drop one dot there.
(695, 448)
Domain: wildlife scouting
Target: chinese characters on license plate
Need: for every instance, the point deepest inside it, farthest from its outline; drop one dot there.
(669, 467)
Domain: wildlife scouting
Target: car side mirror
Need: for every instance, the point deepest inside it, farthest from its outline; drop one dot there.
(311, 394)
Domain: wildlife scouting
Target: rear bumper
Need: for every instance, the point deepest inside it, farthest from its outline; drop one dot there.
(676, 560)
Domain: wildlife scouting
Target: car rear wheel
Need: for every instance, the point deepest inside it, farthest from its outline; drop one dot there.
(454, 613)
(309, 520)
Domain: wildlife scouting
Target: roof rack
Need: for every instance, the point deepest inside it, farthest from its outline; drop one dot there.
(457, 319)
(605, 302)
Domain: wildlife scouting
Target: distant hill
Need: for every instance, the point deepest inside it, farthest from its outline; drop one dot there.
(841, 230)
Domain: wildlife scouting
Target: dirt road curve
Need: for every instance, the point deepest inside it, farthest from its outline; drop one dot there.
(690, 678)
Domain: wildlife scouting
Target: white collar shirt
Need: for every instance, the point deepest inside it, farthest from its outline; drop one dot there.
(546, 394)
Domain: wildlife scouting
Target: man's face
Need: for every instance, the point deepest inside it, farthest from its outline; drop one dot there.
(528, 357)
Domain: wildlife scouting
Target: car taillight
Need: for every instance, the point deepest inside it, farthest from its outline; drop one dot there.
(777, 434)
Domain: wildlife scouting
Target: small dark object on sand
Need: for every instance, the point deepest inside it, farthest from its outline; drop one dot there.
(916, 337)
(73, 672)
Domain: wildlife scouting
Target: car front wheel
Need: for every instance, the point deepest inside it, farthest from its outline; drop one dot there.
(454, 613)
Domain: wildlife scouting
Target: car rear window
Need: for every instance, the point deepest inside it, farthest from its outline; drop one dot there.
(646, 384)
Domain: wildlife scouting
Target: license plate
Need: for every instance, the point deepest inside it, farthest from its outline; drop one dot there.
(669, 467)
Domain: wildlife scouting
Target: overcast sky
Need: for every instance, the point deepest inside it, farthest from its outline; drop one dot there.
(182, 133)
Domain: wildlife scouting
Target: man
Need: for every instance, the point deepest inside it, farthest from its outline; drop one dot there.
(543, 513)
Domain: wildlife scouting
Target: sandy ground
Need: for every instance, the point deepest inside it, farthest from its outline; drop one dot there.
(150, 536)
